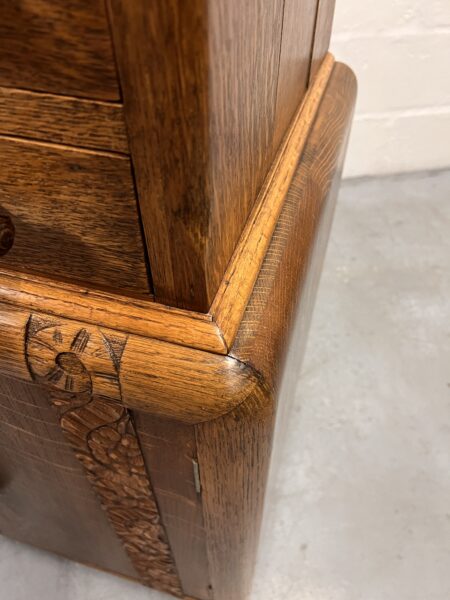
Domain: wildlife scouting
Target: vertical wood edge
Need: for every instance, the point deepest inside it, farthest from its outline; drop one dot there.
(233, 456)
(234, 450)
(234, 292)
(148, 96)
(322, 35)
(170, 452)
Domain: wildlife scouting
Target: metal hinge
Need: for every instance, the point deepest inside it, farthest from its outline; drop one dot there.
(198, 486)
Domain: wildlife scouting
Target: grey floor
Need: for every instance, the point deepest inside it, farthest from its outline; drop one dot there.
(362, 503)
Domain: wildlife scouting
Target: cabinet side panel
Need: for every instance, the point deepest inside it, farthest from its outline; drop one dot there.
(199, 82)
(234, 450)
(234, 453)
(45, 498)
(244, 41)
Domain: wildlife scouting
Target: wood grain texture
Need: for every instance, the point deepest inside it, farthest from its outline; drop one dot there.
(57, 46)
(181, 383)
(63, 120)
(103, 437)
(234, 450)
(161, 57)
(74, 213)
(236, 287)
(228, 401)
(170, 453)
(163, 379)
(179, 326)
(322, 34)
(45, 499)
(289, 274)
(200, 83)
(299, 19)
(134, 315)
(233, 455)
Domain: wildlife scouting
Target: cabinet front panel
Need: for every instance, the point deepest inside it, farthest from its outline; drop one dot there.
(45, 498)
(59, 46)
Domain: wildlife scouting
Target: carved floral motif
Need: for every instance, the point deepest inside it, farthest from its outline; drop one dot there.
(77, 366)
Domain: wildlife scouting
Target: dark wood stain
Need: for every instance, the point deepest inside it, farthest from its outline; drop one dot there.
(59, 46)
(74, 215)
(45, 498)
(63, 120)
(169, 449)
(200, 89)
(234, 451)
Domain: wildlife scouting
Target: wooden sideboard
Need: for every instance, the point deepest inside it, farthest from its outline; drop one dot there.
(168, 173)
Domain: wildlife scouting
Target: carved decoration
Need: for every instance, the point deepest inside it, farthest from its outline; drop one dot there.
(78, 366)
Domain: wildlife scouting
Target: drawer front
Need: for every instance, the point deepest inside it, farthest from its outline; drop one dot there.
(59, 46)
(74, 213)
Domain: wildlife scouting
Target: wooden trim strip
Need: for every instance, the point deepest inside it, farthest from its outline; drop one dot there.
(233, 295)
(166, 380)
(123, 313)
(63, 120)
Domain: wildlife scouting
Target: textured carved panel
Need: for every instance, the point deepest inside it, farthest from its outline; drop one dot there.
(70, 362)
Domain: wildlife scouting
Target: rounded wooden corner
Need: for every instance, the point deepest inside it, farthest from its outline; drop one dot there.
(157, 377)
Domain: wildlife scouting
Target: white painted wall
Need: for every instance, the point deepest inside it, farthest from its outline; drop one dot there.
(400, 52)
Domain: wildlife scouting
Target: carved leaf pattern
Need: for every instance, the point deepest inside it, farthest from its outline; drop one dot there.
(105, 442)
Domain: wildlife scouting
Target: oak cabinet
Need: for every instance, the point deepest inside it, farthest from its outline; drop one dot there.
(168, 172)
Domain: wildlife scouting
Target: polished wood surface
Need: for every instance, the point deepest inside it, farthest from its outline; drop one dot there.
(104, 440)
(45, 498)
(234, 451)
(206, 109)
(170, 452)
(74, 214)
(299, 242)
(233, 455)
(163, 379)
(214, 332)
(107, 309)
(159, 251)
(236, 287)
(63, 120)
(59, 46)
(204, 420)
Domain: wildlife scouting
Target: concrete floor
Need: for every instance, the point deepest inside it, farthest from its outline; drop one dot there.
(362, 503)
